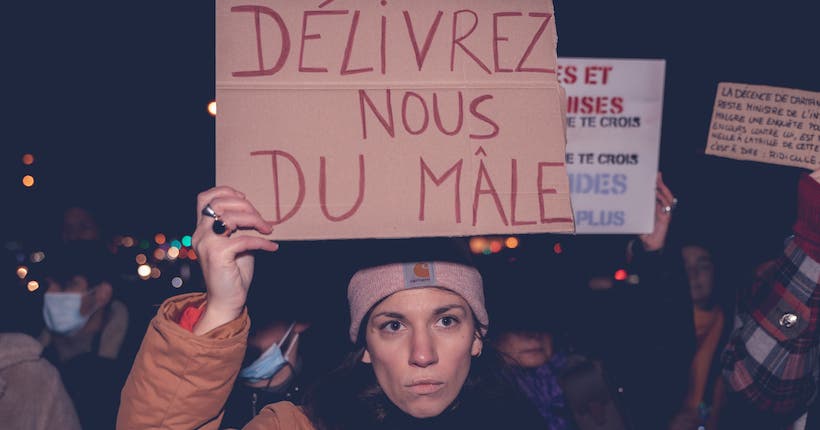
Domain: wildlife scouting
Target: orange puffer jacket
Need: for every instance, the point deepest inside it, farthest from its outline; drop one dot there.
(181, 381)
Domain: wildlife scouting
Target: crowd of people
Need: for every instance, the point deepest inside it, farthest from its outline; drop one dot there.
(418, 333)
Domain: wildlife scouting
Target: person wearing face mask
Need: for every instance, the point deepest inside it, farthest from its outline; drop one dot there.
(85, 327)
(32, 394)
(288, 346)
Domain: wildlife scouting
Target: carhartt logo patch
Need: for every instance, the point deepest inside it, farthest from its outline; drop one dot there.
(419, 274)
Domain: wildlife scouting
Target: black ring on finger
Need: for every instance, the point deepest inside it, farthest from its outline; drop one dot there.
(218, 226)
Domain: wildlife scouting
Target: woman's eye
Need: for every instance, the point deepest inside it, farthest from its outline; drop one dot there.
(392, 326)
(448, 321)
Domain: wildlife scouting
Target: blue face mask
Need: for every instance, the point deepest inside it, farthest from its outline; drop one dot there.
(61, 312)
(270, 362)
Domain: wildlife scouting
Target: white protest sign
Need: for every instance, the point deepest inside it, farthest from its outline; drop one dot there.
(614, 109)
(766, 124)
(353, 118)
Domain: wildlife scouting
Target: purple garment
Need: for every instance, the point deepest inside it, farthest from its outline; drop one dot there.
(540, 385)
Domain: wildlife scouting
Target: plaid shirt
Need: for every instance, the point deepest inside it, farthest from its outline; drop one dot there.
(772, 358)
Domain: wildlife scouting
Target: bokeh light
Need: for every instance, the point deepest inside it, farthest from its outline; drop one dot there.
(186, 240)
(144, 271)
(620, 275)
(28, 159)
(478, 245)
(22, 272)
(38, 256)
(33, 286)
(212, 108)
(141, 258)
(176, 282)
(511, 242)
(28, 181)
(496, 245)
(159, 238)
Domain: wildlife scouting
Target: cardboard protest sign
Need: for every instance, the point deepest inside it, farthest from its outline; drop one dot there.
(614, 109)
(352, 119)
(766, 124)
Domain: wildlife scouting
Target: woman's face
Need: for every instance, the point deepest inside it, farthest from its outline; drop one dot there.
(525, 348)
(420, 342)
(701, 272)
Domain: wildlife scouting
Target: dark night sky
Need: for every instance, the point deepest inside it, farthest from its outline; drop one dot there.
(111, 100)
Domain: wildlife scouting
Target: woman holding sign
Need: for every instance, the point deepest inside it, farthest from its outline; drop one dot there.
(417, 319)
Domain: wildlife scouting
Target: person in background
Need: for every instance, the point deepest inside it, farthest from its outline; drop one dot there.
(32, 394)
(705, 393)
(85, 328)
(80, 224)
(585, 359)
(289, 343)
(771, 362)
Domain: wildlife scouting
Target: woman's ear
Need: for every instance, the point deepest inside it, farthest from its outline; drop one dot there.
(366, 357)
(478, 345)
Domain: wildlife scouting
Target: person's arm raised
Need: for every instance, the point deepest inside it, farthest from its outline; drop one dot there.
(227, 259)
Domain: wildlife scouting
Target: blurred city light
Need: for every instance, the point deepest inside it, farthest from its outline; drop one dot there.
(37, 257)
(28, 159)
(159, 238)
(557, 248)
(22, 272)
(28, 181)
(176, 282)
(144, 271)
(141, 258)
(511, 242)
(186, 240)
(33, 286)
(478, 244)
(620, 275)
(212, 108)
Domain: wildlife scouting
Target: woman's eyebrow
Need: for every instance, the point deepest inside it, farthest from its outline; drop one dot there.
(388, 314)
(448, 308)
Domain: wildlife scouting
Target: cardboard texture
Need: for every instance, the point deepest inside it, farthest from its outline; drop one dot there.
(614, 111)
(766, 124)
(356, 119)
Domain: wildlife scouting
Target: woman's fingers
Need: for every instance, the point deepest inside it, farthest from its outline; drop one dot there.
(207, 196)
(245, 220)
(232, 209)
(240, 244)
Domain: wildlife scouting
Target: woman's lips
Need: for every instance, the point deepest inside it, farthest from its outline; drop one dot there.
(425, 387)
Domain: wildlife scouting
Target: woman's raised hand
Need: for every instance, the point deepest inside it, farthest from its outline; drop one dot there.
(226, 259)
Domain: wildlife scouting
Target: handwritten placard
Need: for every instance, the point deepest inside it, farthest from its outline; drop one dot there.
(766, 124)
(352, 119)
(614, 110)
